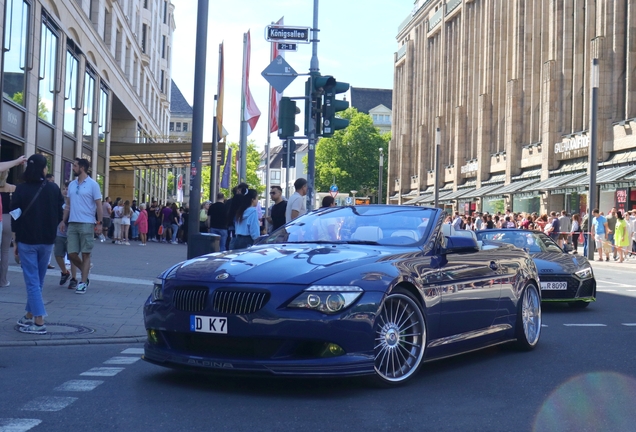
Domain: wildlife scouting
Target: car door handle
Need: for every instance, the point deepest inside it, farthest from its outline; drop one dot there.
(493, 266)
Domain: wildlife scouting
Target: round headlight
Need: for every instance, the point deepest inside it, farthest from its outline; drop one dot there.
(313, 300)
(335, 302)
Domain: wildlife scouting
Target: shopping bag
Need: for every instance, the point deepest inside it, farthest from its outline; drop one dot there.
(160, 230)
(581, 239)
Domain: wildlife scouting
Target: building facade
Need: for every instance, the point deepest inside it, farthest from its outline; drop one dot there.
(507, 82)
(375, 102)
(79, 75)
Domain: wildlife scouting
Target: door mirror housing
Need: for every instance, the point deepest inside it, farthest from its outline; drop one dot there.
(459, 244)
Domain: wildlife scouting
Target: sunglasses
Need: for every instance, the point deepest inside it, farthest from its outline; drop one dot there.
(272, 193)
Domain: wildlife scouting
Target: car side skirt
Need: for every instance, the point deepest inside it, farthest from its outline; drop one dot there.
(469, 335)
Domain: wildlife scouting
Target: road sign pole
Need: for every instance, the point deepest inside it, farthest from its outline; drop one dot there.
(288, 160)
(314, 69)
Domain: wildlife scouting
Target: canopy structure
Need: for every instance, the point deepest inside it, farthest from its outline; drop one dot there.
(129, 156)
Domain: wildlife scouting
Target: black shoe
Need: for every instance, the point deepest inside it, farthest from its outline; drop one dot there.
(607, 259)
(615, 258)
(64, 278)
(72, 284)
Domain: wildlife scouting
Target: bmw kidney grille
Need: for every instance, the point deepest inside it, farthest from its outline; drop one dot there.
(233, 302)
(190, 299)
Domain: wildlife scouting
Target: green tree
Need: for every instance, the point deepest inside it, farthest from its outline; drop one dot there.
(42, 109)
(253, 161)
(171, 186)
(351, 157)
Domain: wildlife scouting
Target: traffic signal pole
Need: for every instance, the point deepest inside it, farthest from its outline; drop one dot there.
(314, 70)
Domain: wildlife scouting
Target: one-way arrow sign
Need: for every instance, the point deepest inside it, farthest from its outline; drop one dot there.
(279, 74)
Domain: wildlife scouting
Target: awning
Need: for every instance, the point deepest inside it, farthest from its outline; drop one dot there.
(570, 166)
(394, 197)
(517, 185)
(554, 182)
(411, 194)
(495, 178)
(129, 156)
(418, 200)
(621, 157)
(607, 175)
(458, 193)
(442, 195)
(484, 190)
(528, 173)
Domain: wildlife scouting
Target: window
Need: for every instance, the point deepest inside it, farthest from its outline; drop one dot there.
(71, 102)
(163, 73)
(171, 126)
(165, 12)
(163, 47)
(145, 4)
(178, 129)
(16, 42)
(185, 127)
(48, 72)
(103, 119)
(144, 31)
(375, 118)
(274, 175)
(89, 98)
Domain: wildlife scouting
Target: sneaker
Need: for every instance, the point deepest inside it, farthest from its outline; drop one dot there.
(34, 329)
(118, 242)
(88, 282)
(607, 259)
(127, 244)
(6, 285)
(50, 267)
(65, 277)
(174, 242)
(81, 288)
(25, 322)
(153, 240)
(72, 284)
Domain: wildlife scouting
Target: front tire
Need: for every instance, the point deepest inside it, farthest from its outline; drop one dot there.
(528, 329)
(400, 339)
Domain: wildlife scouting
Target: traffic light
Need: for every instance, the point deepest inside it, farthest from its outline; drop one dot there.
(287, 111)
(331, 106)
(291, 151)
(313, 97)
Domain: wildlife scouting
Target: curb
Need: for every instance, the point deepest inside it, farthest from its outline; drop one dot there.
(59, 342)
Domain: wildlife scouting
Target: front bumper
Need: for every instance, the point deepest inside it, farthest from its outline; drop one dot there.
(578, 289)
(273, 340)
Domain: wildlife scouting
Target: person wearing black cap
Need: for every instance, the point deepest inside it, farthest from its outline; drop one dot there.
(36, 206)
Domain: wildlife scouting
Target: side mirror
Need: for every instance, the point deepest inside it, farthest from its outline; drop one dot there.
(457, 244)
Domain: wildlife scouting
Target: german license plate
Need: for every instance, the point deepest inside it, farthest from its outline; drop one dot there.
(554, 286)
(206, 324)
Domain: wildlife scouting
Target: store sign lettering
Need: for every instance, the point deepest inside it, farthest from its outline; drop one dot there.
(470, 167)
(575, 143)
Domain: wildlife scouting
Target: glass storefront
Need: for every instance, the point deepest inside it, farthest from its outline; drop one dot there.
(493, 205)
(71, 105)
(526, 203)
(47, 88)
(16, 43)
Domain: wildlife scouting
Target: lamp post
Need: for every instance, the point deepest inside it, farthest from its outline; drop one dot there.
(438, 140)
(592, 161)
(380, 173)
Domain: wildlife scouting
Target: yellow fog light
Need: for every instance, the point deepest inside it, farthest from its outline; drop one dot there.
(332, 350)
(153, 337)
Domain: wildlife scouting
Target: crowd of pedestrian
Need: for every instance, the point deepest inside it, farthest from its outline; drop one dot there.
(613, 234)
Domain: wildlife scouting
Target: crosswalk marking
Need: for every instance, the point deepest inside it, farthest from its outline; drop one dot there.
(139, 351)
(49, 403)
(17, 425)
(630, 324)
(605, 290)
(79, 385)
(122, 360)
(102, 371)
(585, 325)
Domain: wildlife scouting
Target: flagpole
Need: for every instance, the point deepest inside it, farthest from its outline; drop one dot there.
(213, 156)
(243, 136)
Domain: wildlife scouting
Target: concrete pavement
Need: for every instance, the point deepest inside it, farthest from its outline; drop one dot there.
(110, 311)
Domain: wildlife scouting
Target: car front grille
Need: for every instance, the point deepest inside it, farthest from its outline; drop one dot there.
(190, 299)
(573, 287)
(239, 302)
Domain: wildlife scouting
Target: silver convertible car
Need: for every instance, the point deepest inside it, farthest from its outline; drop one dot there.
(344, 291)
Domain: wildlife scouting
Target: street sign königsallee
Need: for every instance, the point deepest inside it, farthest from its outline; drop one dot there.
(287, 46)
(292, 34)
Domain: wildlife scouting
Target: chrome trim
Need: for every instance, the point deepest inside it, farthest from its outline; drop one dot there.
(469, 335)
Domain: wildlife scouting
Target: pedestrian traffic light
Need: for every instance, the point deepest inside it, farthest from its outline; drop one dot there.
(287, 111)
(289, 154)
(331, 106)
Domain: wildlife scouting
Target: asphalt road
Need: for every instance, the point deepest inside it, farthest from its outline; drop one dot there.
(580, 378)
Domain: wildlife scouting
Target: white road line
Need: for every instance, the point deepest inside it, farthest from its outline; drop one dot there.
(102, 371)
(543, 325)
(97, 277)
(49, 403)
(18, 425)
(605, 290)
(139, 351)
(585, 325)
(630, 324)
(613, 283)
(631, 290)
(122, 360)
(79, 385)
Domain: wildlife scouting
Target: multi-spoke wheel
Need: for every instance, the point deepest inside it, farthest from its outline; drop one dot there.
(528, 328)
(400, 338)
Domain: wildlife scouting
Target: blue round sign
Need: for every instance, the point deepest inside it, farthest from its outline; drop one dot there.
(333, 188)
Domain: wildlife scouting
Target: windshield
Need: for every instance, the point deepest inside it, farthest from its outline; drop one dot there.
(533, 241)
(371, 224)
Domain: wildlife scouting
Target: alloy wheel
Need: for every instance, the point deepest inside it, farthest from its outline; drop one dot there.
(531, 314)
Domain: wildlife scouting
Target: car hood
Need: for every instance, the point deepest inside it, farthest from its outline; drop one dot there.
(289, 263)
(558, 262)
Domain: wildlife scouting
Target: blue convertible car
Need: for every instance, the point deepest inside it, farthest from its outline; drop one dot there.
(361, 290)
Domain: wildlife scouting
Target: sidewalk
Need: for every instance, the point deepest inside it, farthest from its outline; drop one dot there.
(110, 311)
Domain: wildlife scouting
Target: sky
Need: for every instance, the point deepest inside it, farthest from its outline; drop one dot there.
(357, 43)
